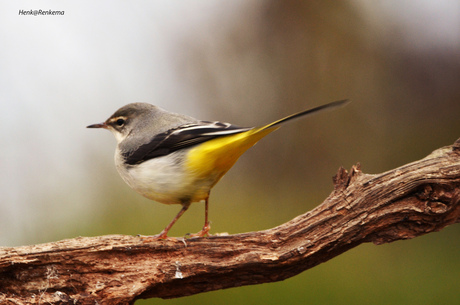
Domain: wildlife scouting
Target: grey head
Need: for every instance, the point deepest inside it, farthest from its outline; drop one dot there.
(139, 122)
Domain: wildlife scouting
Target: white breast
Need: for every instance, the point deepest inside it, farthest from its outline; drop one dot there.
(164, 179)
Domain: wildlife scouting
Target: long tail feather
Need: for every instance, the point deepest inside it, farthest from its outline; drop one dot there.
(307, 112)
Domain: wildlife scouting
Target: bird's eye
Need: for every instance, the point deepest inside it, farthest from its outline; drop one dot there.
(120, 122)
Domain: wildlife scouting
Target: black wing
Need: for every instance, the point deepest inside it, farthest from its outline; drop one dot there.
(179, 138)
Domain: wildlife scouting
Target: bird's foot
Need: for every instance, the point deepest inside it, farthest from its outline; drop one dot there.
(204, 232)
(161, 236)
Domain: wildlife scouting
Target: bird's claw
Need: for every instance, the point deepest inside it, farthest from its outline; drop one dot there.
(204, 232)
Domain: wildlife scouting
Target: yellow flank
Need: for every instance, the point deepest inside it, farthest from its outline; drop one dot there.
(215, 157)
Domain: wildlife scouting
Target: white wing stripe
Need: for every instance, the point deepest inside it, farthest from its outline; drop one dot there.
(224, 132)
(220, 129)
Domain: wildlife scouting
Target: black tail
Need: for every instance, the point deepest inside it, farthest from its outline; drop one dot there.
(308, 112)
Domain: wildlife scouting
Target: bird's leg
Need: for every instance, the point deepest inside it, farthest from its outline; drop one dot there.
(164, 234)
(207, 224)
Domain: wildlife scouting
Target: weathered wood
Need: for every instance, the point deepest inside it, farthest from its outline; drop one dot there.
(414, 199)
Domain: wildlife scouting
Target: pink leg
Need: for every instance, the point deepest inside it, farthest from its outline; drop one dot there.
(207, 225)
(164, 234)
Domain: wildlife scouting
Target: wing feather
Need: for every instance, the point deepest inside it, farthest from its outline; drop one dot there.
(180, 138)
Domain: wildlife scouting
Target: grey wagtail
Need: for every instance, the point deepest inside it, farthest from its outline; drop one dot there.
(176, 159)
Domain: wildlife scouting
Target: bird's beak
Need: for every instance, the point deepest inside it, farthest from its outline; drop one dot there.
(100, 125)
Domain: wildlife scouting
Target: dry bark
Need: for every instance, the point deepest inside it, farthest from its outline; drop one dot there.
(409, 201)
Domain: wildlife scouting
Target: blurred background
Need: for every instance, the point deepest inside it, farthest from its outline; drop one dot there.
(245, 62)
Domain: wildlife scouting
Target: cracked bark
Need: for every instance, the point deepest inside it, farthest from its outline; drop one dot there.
(409, 201)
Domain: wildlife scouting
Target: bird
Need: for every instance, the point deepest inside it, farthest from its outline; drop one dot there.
(173, 158)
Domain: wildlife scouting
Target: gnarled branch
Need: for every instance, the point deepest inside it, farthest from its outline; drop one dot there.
(414, 199)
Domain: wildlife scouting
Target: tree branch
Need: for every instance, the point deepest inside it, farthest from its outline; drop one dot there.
(409, 201)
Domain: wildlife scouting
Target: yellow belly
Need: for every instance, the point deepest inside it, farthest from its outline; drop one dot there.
(215, 157)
